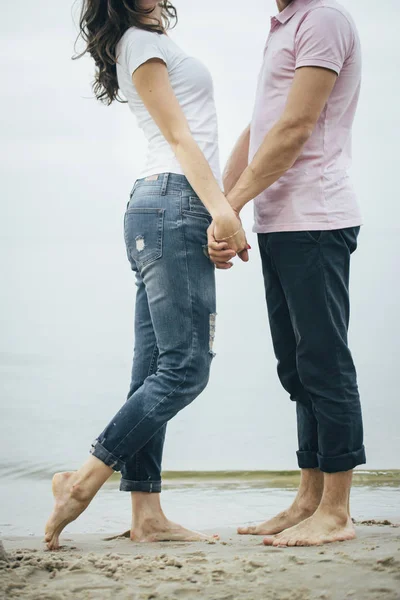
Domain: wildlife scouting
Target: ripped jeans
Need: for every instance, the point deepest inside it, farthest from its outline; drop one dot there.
(165, 235)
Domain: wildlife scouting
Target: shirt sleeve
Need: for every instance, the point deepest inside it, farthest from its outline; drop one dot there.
(325, 38)
(141, 47)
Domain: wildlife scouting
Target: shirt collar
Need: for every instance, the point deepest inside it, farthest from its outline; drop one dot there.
(290, 10)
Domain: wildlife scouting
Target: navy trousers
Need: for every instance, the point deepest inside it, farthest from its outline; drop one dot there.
(306, 277)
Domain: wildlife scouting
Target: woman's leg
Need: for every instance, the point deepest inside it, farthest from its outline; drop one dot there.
(142, 473)
(73, 493)
(165, 240)
(165, 234)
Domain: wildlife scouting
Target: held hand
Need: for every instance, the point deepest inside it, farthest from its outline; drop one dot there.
(221, 252)
(228, 228)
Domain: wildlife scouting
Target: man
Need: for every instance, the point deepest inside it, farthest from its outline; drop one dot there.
(293, 160)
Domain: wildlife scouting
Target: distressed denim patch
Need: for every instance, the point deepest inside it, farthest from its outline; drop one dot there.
(213, 318)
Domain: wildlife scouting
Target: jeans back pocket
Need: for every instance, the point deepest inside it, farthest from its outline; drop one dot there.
(192, 206)
(144, 235)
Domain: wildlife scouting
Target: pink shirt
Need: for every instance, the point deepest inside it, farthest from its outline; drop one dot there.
(316, 193)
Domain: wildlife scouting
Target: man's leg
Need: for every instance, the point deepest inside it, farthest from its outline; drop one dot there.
(311, 483)
(313, 268)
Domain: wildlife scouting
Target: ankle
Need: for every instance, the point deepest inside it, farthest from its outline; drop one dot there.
(307, 503)
(81, 491)
(304, 508)
(146, 509)
(149, 522)
(337, 513)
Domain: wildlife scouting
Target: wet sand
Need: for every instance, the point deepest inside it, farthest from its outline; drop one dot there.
(89, 567)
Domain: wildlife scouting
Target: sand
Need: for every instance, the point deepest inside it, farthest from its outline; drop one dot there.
(89, 567)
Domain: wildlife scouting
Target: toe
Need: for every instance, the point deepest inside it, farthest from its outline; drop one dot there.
(301, 542)
(309, 541)
(269, 540)
(48, 534)
(280, 542)
(246, 530)
(55, 543)
(50, 544)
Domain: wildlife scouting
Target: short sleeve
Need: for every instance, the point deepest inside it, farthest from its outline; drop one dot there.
(142, 46)
(324, 38)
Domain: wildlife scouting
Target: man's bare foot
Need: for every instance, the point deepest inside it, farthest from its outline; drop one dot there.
(285, 519)
(305, 504)
(69, 503)
(320, 528)
(154, 531)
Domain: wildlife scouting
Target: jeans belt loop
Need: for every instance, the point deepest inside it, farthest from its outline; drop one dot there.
(164, 184)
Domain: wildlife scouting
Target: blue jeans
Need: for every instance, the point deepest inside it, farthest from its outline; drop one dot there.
(306, 276)
(165, 235)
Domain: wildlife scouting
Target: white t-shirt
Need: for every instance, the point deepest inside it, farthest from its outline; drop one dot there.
(193, 87)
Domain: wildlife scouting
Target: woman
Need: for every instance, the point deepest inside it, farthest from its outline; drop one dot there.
(170, 208)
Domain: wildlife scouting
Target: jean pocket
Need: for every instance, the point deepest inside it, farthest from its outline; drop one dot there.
(315, 236)
(350, 237)
(195, 208)
(144, 235)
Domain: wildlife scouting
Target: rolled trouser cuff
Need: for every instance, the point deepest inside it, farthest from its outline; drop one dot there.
(344, 462)
(307, 459)
(106, 457)
(149, 487)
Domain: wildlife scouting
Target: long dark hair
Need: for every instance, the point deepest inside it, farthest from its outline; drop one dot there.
(102, 23)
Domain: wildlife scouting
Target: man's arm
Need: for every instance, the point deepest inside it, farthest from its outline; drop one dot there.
(282, 145)
(237, 162)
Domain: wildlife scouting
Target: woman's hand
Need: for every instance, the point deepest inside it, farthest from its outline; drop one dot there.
(228, 228)
(226, 238)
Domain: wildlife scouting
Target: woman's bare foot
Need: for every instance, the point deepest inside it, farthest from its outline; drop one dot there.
(69, 503)
(72, 493)
(149, 523)
(320, 528)
(154, 531)
(285, 519)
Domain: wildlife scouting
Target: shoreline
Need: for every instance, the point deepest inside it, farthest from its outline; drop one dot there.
(89, 567)
(200, 501)
(282, 478)
(273, 479)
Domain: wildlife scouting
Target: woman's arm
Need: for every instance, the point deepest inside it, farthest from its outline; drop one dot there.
(153, 85)
(237, 162)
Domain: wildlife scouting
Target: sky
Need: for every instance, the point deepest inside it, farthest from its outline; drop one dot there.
(67, 166)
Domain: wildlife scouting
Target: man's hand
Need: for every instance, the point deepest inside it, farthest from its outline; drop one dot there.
(221, 252)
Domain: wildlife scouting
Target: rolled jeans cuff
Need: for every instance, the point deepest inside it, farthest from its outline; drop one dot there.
(106, 457)
(149, 487)
(344, 462)
(307, 459)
